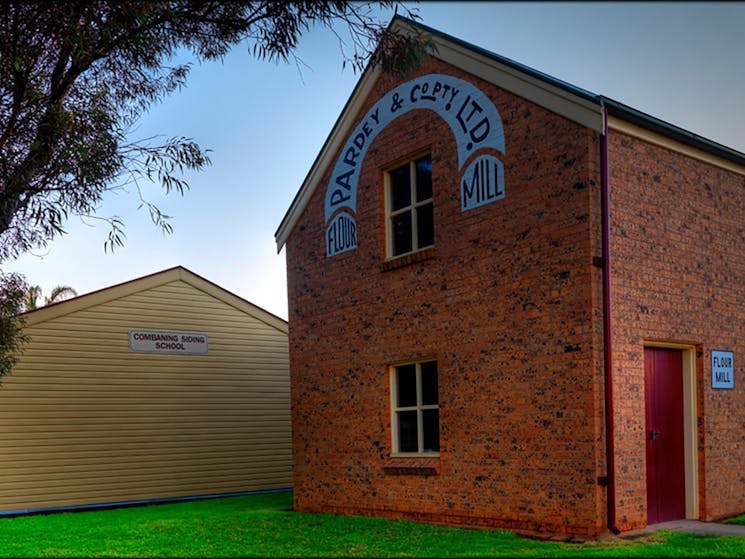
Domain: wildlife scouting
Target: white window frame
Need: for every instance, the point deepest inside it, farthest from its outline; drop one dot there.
(419, 408)
(411, 208)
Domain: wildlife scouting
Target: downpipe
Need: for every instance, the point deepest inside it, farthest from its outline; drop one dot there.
(610, 454)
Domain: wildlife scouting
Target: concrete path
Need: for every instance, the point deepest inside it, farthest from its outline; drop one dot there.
(693, 527)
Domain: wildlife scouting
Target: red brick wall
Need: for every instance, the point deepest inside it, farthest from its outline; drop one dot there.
(508, 304)
(678, 238)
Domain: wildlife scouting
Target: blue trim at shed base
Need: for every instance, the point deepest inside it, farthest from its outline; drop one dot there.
(124, 504)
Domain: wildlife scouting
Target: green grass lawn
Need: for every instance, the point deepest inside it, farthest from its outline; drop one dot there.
(265, 526)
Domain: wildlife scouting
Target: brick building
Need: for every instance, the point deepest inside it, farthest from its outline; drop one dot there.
(515, 303)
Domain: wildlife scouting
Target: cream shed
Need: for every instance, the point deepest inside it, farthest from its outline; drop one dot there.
(164, 387)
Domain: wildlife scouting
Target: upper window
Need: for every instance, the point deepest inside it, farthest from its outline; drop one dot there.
(416, 413)
(410, 218)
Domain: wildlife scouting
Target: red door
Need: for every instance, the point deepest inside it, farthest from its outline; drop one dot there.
(663, 373)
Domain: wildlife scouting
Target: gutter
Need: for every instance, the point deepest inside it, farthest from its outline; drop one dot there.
(654, 124)
(610, 454)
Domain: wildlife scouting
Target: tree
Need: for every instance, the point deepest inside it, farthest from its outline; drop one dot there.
(12, 292)
(31, 298)
(59, 293)
(77, 76)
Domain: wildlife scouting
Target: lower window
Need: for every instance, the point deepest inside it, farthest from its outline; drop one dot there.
(415, 408)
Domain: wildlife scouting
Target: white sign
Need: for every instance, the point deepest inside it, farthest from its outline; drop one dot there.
(482, 182)
(722, 369)
(474, 121)
(158, 341)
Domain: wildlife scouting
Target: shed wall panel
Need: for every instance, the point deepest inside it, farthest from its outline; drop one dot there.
(84, 420)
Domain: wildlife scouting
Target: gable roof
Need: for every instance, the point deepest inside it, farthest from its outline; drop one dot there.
(177, 273)
(577, 104)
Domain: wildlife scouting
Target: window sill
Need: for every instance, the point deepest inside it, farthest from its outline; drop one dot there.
(414, 466)
(406, 259)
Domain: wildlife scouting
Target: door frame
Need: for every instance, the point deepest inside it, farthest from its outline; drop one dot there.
(690, 422)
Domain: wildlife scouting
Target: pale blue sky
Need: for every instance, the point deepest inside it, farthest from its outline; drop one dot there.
(681, 62)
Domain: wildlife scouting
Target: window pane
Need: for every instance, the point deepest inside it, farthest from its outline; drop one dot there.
(406, 389)
(402, 233)
(429, 383)
(424, 179)
(407, 432)
(400, 188)
(431, 430)
(425, 228)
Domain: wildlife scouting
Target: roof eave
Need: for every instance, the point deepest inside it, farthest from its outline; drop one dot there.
(543, 87)
(335, 137)
(150, 281)
(571, 101)
(659, 126)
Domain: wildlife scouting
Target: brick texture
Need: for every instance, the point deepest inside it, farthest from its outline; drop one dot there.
(510, 304)
(507, 302)
(678, 232)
